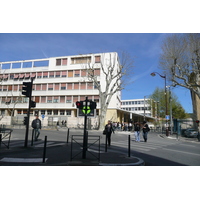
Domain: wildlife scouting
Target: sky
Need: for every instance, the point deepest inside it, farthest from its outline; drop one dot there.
(144, 49)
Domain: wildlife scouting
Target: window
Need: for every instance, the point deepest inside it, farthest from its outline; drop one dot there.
(97, 72)
(57, 74)
(75, 98)
(44, 87)
(50, 86)
(68, 112)
(58, 62)
(49, 112)
(64, 74)
(68, 99)
(55, 112)
(77, 73)
(69, 86)
(42, 112)
(39, 75)
(51, 74)
(56, 100)
(62, 99)
(81, 60)
(70, 73)
(37, 99)
(76, 86)
(83, 86)
(38, 87)
(63, 86)
(90, 85)
(49, 99)
(62, 112)
(45, 74)
(97, 59)
(83, 73)
(64, 61)
(56, 86)
(43, 99)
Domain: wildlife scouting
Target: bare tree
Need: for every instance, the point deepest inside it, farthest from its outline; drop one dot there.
(180, 59)
(116, 75)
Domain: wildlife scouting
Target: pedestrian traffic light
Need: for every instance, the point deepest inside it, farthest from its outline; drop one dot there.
(93, 105)
(33, 104)
(25, 120)
(79, 104)
(27, 89)
(197, 121)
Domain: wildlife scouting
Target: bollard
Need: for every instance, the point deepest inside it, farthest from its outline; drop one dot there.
(44, 151)
(106, 143)
(68, 135)
(129, 146)
(32, 137)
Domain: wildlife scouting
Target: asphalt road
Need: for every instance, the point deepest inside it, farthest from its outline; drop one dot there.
(157, 151)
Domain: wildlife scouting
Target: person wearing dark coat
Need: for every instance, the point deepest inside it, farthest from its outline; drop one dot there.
(36, 125)
(109, 130)
(145, 129)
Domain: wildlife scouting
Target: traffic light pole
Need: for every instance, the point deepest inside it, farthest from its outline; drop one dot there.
(28, 117)
(85, 136)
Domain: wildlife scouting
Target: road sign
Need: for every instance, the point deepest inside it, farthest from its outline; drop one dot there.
(43, 116)
(167, 117)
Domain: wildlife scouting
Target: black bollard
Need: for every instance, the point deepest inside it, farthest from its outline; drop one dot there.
(106, 143)
(129, 146)
(44, 151)
(68, 135)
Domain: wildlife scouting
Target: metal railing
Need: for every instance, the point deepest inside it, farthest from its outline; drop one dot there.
(93, 141)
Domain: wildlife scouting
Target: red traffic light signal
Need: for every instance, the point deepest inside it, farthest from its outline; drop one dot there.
(27, 89)
(197, 121)
(79, 104)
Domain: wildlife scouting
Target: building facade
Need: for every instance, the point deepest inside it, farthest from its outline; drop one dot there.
(58, 83)
(138, 106)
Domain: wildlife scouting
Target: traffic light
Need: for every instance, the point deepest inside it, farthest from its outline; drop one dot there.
(93, 105)
(33, 104)
(25, 120)
(197, 121)
(79, 104)
(27, 89)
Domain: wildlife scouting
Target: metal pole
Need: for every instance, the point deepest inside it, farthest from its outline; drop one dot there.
(129, 145)
(44, 152)
(0, 139)
(106, 143)
(32, 137)
(68, 135)
(85, 131)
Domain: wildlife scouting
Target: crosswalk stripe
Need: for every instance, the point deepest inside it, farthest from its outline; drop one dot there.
(23, 160)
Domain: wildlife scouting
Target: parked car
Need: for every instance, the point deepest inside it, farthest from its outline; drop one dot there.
(191, 132)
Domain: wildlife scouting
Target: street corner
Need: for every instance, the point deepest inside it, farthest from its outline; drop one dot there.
(116, 159)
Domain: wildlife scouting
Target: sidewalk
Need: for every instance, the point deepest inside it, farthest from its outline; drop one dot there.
(61, 156)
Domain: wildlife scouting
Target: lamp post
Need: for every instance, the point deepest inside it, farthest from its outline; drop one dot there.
(166, 111)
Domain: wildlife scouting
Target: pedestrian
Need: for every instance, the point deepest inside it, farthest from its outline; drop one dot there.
(145, 129)
(109, 129)
(36, 125)
(137, 131)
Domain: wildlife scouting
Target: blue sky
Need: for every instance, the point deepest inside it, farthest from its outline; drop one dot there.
(143, 47)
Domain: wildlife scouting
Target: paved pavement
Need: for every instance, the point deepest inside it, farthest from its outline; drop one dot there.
(67, 154)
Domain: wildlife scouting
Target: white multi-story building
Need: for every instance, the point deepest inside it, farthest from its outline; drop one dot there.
(58, 83)
(138, 106)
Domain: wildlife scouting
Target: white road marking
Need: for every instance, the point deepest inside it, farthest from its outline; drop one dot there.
(184, 152)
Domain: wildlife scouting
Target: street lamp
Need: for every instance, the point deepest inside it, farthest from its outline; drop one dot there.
(166, 111)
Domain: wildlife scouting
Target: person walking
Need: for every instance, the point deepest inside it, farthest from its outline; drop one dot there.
(109, 130)
(145, 129)
(36, 125)
(137, 131)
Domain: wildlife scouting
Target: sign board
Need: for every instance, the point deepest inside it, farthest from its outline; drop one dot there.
(167, 117)
(43, 116)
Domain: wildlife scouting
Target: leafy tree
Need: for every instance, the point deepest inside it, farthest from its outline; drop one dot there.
(180, 59)
(159, 96)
